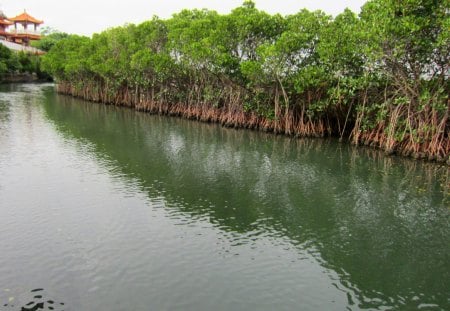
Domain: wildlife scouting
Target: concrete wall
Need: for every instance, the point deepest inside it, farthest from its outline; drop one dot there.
(18, 47)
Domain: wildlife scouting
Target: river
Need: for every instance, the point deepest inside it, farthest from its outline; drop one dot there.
(106, 208)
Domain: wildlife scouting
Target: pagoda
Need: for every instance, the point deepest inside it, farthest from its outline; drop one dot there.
(4, 23)
(25, 29)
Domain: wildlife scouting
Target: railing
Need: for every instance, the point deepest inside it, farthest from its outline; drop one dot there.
(24, 32)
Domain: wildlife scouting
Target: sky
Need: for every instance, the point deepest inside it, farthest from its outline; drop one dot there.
(86, 17)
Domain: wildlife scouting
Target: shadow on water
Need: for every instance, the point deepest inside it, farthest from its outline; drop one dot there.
(382, 223)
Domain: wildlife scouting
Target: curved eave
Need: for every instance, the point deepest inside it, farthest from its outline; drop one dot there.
(25, 18)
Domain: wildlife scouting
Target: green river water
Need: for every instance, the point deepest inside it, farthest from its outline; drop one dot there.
(105, 208)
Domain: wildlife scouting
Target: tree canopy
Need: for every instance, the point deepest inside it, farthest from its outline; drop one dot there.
(379, 78)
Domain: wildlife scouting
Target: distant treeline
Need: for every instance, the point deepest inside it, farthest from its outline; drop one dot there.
(380, 78)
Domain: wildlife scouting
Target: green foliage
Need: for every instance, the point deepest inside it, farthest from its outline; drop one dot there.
(352, 69)
(408, 38)
(5, 53)
(66, 59)
(342, 45)
(26, 64)
(49, 40)
(5, 56)
(18, 62)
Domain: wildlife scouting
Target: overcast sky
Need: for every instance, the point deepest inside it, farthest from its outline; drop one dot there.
(90, 16)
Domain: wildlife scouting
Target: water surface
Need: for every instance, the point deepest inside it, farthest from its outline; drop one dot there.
(105, 208)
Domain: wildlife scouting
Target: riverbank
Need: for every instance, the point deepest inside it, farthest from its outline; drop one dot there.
(233, 116)
(23, 78)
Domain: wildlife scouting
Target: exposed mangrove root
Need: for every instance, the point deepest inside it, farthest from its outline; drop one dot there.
(433, 145)
(228, 116)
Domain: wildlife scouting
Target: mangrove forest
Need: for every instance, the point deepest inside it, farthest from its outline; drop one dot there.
(378, 78)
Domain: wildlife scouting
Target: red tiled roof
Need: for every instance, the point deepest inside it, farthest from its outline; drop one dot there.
(25, 17)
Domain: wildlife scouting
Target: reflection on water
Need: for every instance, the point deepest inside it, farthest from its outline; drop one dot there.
(195, 216)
